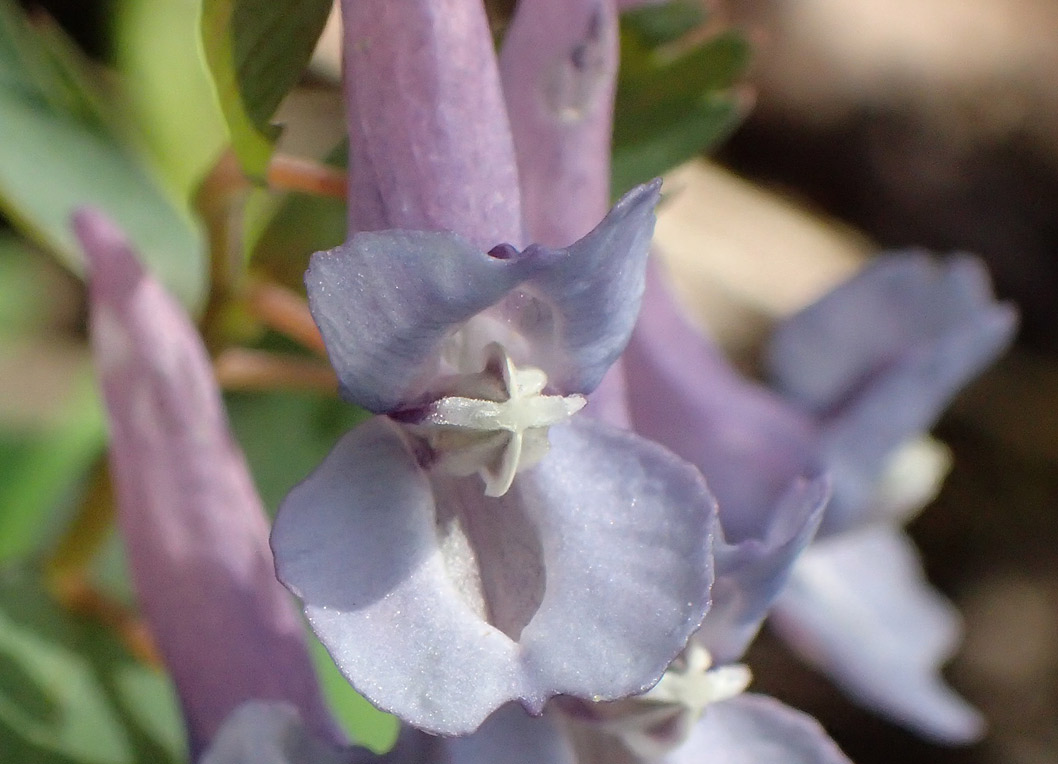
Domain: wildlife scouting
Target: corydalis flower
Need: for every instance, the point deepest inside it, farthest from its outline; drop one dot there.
(445, 574)
(866, 371)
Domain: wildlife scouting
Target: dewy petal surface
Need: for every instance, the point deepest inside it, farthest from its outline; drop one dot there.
(193, 524)
(880, 357)
(428, 130)
(755, 729)
(386, 303)
(752, 573)
(748, 442)
(858, 607)
(622, 533)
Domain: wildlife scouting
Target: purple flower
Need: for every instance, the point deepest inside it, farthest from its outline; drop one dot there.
(194, 528)
(479, 542)
(863, 374)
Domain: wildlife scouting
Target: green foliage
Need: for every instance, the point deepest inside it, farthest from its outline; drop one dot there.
(673, 100)
(71, 694)
(59, 149)
(257, 51)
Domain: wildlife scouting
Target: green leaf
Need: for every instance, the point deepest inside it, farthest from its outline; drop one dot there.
(159, 54)
(673, 102)
(57, 153)
(39, 469)
(257, 51)
(71, 694)
(656, 25)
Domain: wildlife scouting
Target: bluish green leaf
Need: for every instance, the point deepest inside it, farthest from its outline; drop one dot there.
(257, 51)
(658, 25)
(57, 154)
(71, 694)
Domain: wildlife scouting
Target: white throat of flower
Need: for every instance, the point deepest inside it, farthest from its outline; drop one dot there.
(496, 423)
(666, 713)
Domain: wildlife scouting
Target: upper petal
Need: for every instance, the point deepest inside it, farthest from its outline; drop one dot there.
(385, 303)
(608, 572)
(756, 729)
(559, 67)
(750, 574)
(190, 517)
(429, 136)
(858, 608)
(578, 312)
(880, 357)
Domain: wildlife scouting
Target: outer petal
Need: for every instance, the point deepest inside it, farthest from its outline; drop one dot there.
(858, 608)
(272, 733)
(747, 442)
(385, 302)
(559, 67)
(881, 357)
(194, 528)
(618, 527)
(752, 573)
(589, 295)
(755, 729)
(429, 138)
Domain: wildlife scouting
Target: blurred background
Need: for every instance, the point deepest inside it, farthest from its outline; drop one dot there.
(859, 125)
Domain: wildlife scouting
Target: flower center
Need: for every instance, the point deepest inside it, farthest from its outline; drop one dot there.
(496, 422)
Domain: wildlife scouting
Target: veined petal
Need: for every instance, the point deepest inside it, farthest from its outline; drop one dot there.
(191, 519)
(858, 608)
(755, 729)
(386, 302)
(559, 65)
(747, 442)
(429, 136)
(752, 573)
(440, 604)
(582, 307)
(880, 358)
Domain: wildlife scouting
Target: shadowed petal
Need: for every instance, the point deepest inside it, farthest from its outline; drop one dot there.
(403, 577)
(858, 607)
(385, 302)
(880, 358)
(428, 130)
(272, 733)
(752, 573)
(748, 442)
(559, 66)
(591, 295)
(193, 525)
(755, 729)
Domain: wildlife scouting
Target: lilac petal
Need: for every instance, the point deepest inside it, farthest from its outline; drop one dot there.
(606, 546)
(429, 139)
(587, 299)
(752, 573)
(385, 302)
(858, 608)
(509, 736)
(559, 67)
(259, 732)
(747, 442)
(822, 355)
(193, 525)
(756, 729)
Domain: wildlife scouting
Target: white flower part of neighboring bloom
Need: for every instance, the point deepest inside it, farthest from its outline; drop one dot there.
(497, 423)
(669, 710)
(913, 475)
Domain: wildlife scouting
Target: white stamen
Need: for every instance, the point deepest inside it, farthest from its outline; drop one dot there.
(912, 477)
(497, 438)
